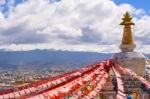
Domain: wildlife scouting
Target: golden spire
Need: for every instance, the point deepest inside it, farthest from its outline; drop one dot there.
(127, 33)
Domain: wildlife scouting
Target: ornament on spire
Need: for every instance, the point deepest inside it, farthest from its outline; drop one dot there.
(127, 19)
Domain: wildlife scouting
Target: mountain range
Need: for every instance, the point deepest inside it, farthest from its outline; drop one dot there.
(49, 59)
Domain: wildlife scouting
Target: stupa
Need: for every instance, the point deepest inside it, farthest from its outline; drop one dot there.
(128, 57)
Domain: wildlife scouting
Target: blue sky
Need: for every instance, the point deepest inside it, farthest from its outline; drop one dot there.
(144, 4)
(139, 4)
(16, 2)
(5, 7)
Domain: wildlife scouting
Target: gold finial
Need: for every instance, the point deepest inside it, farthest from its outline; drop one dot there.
(127, 19)
(127, 33)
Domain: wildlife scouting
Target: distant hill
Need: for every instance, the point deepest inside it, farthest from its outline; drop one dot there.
(48, 59)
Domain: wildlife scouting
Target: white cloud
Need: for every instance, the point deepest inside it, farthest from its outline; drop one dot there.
(1, 16)
(2, 2)
(62, 46)
(69, 25)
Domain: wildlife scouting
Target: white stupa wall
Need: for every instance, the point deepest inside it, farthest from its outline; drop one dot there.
(132, 60)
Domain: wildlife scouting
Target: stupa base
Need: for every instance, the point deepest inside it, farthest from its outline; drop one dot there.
(132, 60)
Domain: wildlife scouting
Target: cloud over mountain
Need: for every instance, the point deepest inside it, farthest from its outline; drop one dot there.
(79, 25)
